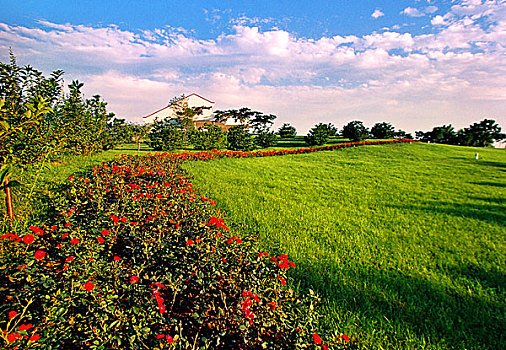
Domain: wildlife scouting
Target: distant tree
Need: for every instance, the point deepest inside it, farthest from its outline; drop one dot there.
(332, 129)
(209, 137)
(439, 134)
(401, 134)
(257, 120)
(383, 131)
(139, 133)
(287, 131)
(355, 131)
(318, 135)
(480, 134)
(166, 135)
(266, 139)
(239, 139)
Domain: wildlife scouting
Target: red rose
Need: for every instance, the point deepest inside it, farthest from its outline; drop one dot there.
(39, 254)
(28, 239)
(316, 338)
(25, 327)
(37, 230)
(89, 286)
(74, 241)
(34, 337)
(12, 314)
(104, 232)
(134, 279)
(116, 258)
(100, 240)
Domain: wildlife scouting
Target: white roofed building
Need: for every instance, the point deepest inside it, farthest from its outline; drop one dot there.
(190, 101)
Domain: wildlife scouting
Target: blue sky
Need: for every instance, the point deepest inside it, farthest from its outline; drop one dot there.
(415, 63)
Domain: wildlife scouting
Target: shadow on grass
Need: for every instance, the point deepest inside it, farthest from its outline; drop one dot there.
(488, 183)
(494, 214)
(402, 304)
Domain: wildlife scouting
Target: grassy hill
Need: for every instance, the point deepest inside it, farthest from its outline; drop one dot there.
(406, 243)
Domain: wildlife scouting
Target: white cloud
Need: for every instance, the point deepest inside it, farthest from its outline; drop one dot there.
(377, 13)
(455, 71)
(412, 12)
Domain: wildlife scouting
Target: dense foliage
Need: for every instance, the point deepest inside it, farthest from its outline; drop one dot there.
(166, 135)
(209, 137)
(355, 131)
(239, 139)
(318, 135)
(266, 139)
(38, 122)
(133, 257)
(480, 134)
(287, 131)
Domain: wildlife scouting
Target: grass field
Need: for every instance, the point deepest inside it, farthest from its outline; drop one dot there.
(406, 243)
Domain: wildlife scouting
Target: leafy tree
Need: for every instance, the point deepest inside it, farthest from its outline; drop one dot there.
(257, 120)
(239, 139)
(266, 139)
(318, 135)
(439, 134)
(480, 134)
(209, 137)
(287, 131)
(401, 134)
(118, 131)
(355, 131)
(166, 135)
(139, 133)
(383, 131)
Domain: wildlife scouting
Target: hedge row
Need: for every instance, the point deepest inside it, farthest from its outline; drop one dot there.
(131, 256)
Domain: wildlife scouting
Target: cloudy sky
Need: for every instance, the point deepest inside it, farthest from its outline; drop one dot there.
(414, 63)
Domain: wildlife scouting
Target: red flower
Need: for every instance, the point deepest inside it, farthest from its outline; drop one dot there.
(12, 314)
(116, 258)
(100, 240)
(12, 337)
(65, 235)
(74, 241)
(25, 327)
(123, 219)
(104, 232)
(114, 218)
(134, 279)
(68, 224)
(39, 254)
(37, 230)
(28, 239)
(190, 242)
(169, 339)
(325, 347)
(160, 336)
(316, 338)
(70, 258)
(34, 337)
(345, 337)
(282, 280)
(89, 286)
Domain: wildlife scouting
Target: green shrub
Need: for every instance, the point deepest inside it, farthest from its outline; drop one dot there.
(287, 131)
(209, 137)
(239, 139)
(166, 135)
(355, 131)
(318, 135)
(266, 139)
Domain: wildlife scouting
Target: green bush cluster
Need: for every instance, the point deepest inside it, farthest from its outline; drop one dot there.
(132, 256)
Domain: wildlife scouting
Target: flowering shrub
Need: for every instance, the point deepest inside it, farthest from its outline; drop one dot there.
(134, 257)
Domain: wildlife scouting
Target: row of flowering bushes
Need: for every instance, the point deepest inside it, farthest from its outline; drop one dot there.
(208, 155)
(132, 256)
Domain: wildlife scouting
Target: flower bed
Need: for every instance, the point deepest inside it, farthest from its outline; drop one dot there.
(133, 257)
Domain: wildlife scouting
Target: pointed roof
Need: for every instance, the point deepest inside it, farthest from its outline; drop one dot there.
(183, 98)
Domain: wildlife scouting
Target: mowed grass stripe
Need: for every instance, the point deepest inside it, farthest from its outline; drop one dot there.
(405, 242)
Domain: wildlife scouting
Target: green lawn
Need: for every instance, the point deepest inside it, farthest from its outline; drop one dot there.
(406, 243)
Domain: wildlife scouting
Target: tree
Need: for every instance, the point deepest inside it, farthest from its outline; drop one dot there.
(266, 139)
(383, 131)
(355, 131)
(139, 133)
(318, 135)
(239, 139)
(257, 120)
(401, 134)
(287, 131)
(166, 135)
(209, 137)
(480, 134)
(440, 134)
